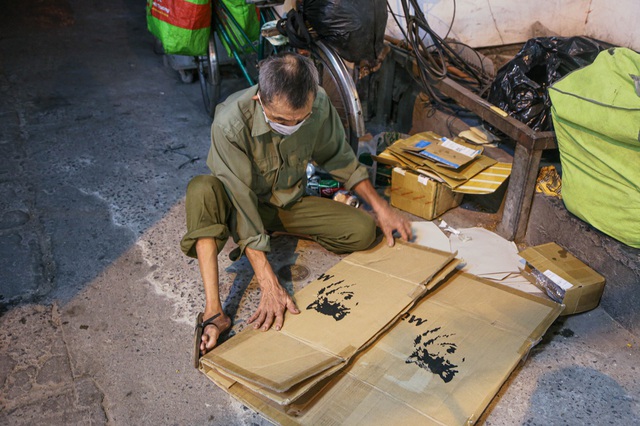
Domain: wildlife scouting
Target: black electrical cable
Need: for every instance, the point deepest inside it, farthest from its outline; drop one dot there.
(433, 60)
(419, 79)
(453, 18)
(395, 18)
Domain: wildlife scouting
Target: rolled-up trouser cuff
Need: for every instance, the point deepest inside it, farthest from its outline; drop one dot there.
(208, 212)
(260, 242)
(219, 232)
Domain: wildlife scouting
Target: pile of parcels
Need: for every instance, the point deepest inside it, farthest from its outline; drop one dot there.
(432, 173)
(396, 335)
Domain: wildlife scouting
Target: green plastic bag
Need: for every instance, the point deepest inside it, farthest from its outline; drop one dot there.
(242, 24)
(596, 116)
(183, 26)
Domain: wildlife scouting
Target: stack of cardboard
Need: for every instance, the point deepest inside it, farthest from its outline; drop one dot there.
(387, 336)
(432, 173)
(343, 311)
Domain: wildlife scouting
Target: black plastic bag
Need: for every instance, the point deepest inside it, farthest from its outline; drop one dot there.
(520, 86)
(355, 28)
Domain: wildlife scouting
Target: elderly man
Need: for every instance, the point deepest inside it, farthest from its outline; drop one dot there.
(262, 139)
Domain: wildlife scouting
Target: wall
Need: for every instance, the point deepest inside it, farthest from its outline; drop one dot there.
(494, 22)
(617, 22)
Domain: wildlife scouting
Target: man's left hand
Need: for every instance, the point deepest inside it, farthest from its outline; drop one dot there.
(390, 220)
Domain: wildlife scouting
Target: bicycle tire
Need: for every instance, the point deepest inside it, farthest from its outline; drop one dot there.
(209, 75)
(341, 89)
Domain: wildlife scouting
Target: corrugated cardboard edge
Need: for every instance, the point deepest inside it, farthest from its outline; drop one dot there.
(253, 401)
(448, 257)
(266, 409)
(233, 370)
(294, 397)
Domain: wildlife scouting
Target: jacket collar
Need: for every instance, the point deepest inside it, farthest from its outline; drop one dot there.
(259, 126)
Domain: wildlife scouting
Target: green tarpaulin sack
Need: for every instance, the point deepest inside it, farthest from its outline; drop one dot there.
(242, 23)
(183, 26)
(596, 115)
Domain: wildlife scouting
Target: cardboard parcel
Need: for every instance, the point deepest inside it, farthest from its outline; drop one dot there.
(431, 173)
(441, 364)
(564, 277)
(343, 311)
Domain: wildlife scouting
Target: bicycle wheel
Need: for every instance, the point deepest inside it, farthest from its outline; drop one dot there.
(340, 87)
(209, 73)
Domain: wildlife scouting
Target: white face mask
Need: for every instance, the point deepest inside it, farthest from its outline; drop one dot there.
(278, 127)
(281, 128)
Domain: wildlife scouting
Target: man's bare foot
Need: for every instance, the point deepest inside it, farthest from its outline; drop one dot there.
(212, 332)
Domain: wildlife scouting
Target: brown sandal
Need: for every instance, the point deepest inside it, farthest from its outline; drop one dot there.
(200, 326)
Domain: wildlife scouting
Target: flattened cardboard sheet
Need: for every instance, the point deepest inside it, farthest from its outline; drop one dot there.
(343, 310)
(399, 154)
(442, 364)
(298, 395)
(487, 181)
(444, 151)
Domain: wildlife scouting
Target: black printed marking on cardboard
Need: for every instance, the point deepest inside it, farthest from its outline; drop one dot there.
(412, 318)
(332, 299)
(433, 351)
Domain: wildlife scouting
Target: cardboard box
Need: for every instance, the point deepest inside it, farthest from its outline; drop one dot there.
(564, 278)
(441, 364)
(444, 151)
(343, 311)
(420, 195)
(400, 155)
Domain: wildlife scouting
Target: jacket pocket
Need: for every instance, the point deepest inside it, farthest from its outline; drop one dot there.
(264, 172)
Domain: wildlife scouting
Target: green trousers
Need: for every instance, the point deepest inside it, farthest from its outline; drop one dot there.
(335, 226)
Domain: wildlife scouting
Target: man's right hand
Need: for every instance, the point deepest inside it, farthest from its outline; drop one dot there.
(274, 300)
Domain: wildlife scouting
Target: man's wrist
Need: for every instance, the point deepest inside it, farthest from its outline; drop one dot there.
(262, 269)
(268, 281)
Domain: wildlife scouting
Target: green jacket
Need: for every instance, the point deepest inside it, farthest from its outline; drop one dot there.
(258, 165)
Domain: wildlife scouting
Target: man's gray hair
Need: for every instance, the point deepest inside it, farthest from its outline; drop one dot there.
(288, 75)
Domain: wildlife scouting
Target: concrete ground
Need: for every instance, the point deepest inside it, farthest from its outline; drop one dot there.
(98, 140)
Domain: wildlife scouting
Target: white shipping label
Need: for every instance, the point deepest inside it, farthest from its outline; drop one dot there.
(448, 143)
(399, 170)
(564, 284)
(423, 179)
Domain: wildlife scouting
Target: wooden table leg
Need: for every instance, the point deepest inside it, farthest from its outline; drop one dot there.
(519, 198)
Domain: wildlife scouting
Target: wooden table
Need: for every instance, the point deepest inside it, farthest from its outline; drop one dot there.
(529, 145)
(526, 159)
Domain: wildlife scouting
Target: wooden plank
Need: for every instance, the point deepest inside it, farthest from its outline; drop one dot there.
(515, 129)
(519, 198)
